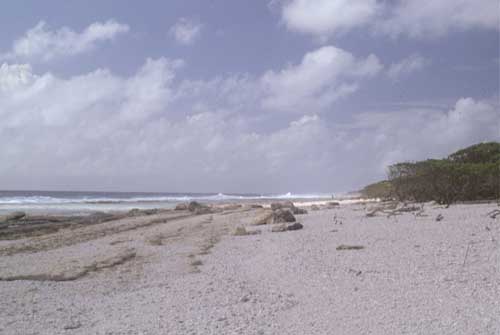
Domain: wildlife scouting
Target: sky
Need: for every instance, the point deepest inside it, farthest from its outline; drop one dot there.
(234, 96)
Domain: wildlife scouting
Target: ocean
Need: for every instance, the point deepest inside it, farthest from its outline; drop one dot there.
(63, 202)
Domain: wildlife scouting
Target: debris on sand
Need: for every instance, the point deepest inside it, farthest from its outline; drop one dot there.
(439, 217)
(493, 214)
(350, 247)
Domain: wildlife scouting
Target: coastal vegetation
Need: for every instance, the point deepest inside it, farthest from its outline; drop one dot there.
(469, 174)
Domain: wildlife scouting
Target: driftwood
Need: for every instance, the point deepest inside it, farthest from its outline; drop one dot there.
(466, 254)
(494, 213)
(391, 209)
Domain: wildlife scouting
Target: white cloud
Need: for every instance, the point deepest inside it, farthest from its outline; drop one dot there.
(414, 134)
(327, 18)
(42, 44)
(323, 76)
(407, 66)
(186, 31)
(115, 134)
(438, 18)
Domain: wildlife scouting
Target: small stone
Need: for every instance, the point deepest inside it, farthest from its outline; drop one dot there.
(439, 217)
(74, 325)
(350, 247)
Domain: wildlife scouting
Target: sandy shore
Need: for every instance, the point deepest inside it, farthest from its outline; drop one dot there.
(175, 272)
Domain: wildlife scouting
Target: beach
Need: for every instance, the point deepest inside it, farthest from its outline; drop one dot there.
(352, 268)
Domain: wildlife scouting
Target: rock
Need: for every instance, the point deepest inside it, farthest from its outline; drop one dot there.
(199, 209)
(181, 207)
(255, 206)
(265, 218)
(14, 216)
(73, 325)
(283, 215)
(134, 212)
(439, 217)
(295, 226)
(288, 205)
(283, 204)
(203, 210)
(280, 228)
(140, 212)
(315, 208)
(193, 206)
(241, 231)
(299, 211)
(333, 204)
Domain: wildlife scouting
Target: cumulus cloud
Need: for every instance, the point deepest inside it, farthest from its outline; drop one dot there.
(323, 76)
(324, 18)
(407, 66)
(437, 18)
(186, 31)
(42, 44)
(116, 134)
(327, 18)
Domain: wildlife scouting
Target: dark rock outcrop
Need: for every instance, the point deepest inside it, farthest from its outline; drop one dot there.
(283, 215)
(288, 205)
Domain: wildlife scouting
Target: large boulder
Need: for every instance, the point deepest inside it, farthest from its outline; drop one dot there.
(181, 207)
(298, 211)
(288, 205)
(264, 218)
(283, 215)
(194, 205)
(198, 209)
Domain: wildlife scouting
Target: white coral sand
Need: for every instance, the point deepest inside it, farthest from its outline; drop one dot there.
(165, 274)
